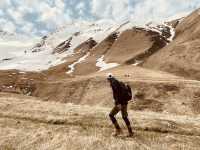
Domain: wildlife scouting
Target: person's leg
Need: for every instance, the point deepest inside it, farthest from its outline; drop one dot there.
(126, 120)
(112, 114)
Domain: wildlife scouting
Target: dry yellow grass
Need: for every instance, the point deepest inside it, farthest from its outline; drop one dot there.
(28, 123)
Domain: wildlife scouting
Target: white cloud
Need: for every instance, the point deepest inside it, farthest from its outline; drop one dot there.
(53, 16)
(80, 7)
(53, 13)
(1, 13)
(159, 10)
(31, 4)
(142, 11)
(120, 9)
(10, 27)
(117, 10)
(48, 14)
(60, 4)
(101, 8)
(7, 26)
(4, 3)
(147, 10)
(16, 15)
(28, 27)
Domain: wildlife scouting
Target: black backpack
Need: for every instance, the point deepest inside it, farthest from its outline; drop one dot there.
(126, 91)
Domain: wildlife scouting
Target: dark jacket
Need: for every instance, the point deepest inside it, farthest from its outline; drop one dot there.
(117, 92)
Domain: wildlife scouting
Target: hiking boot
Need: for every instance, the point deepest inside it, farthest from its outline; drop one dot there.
(117, 132)
(130, 134)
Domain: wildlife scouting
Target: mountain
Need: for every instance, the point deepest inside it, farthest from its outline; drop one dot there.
(12, 45)
(182, 55)
(94, 41)
(56, 46)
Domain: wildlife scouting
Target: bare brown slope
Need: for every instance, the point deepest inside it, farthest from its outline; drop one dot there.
(60, 71)
(89, 65)
(86, 66)
(129, 44)
(155, 91)
(182, 56)
(128, 47)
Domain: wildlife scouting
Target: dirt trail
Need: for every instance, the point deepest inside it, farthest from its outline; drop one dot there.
(28, 123)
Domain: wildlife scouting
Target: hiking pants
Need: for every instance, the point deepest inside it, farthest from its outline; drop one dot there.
(124, 113)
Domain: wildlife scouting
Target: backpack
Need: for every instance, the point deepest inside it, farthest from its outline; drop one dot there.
(126, 91)
(130, 96)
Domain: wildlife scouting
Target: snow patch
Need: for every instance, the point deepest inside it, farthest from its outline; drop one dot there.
(153, 27)
(137, 62)
(82, 31)
(172, 32)
(104, 66)
(32, 61)
(72, 66)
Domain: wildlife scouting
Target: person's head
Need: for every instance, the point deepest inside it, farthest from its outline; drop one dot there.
(110, 77)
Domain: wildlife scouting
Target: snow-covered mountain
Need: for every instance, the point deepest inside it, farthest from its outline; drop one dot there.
(13, 45)
(22, 53)
(17, 52)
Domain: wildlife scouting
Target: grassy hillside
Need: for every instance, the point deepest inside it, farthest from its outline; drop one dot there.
(28, 123)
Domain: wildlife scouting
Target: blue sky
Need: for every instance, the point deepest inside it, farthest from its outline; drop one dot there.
(38, 17)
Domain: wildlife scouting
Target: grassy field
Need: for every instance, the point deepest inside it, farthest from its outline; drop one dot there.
(28, 123)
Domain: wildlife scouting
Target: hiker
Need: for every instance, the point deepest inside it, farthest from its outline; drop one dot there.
(121, 99)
